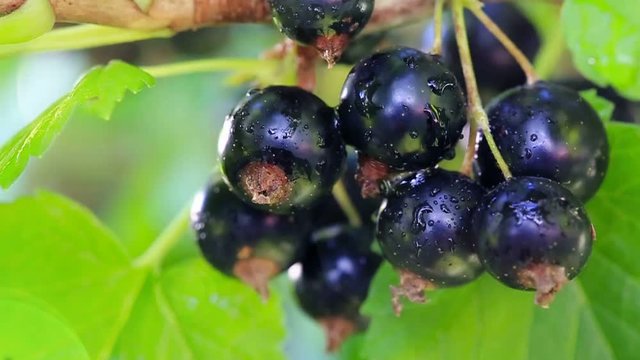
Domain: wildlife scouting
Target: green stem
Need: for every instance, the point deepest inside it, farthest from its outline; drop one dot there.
(342, 197)
(476, 112)
(437, 20)
(152, 258)
(262, 66)
(81, 37)
(469, 156)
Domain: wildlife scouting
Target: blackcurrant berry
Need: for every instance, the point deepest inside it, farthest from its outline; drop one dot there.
(550, 131)
(533, 234)
(328, 212)
(403, 108)
(280, 149)
(337, 269)
(495, 69)
(425, 231)
(245, 242)
(327, 25)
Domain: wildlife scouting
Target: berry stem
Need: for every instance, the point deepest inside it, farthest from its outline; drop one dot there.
(253, 66)
(476, 113)
(168, 238)
(475, 7)
(437, 21)
(342, 197)
(470, 154)
(551, 53)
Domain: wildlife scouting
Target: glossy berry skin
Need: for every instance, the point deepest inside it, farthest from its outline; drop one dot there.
(403, 108)
(229, 230)
(290, 130)
(337, 270)
(527, 221)
(495, 69)
(549, 131)
(425, 227)
(321, 23)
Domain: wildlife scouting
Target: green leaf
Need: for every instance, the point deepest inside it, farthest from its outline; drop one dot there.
(22, 318)
(594, 317)
(602, 106)
(100, 89)
(56, 250)
(59, 252)
(194, 312)
(612, 280)
(103, 87)
(604, 39)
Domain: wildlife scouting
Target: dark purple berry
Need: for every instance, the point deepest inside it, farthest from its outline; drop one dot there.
(403, 108)
(550, 131)
(337, 270)
(425, 230)
(533, 234)
(496, 70)
(280, 149)
(245, 242)
(327, 25)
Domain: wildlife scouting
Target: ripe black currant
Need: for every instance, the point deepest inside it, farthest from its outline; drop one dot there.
(403, 108)
(550, 131)
(327, 25)
(533, 234)
(328, 212)
(425, 231)
(245, 242)
(337, 269)
(280, 149)
(495, 69)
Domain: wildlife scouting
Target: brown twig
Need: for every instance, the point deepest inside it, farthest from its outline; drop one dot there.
(174, 14)
(190, 14)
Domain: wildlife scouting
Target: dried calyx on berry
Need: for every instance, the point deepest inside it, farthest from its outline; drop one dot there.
(337, 269)
(327, 212)
(245, 242)
(280, 149)
(327, 25)
(425, 232)
(533, 234)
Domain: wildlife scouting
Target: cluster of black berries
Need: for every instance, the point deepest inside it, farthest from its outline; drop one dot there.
(282, 151)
